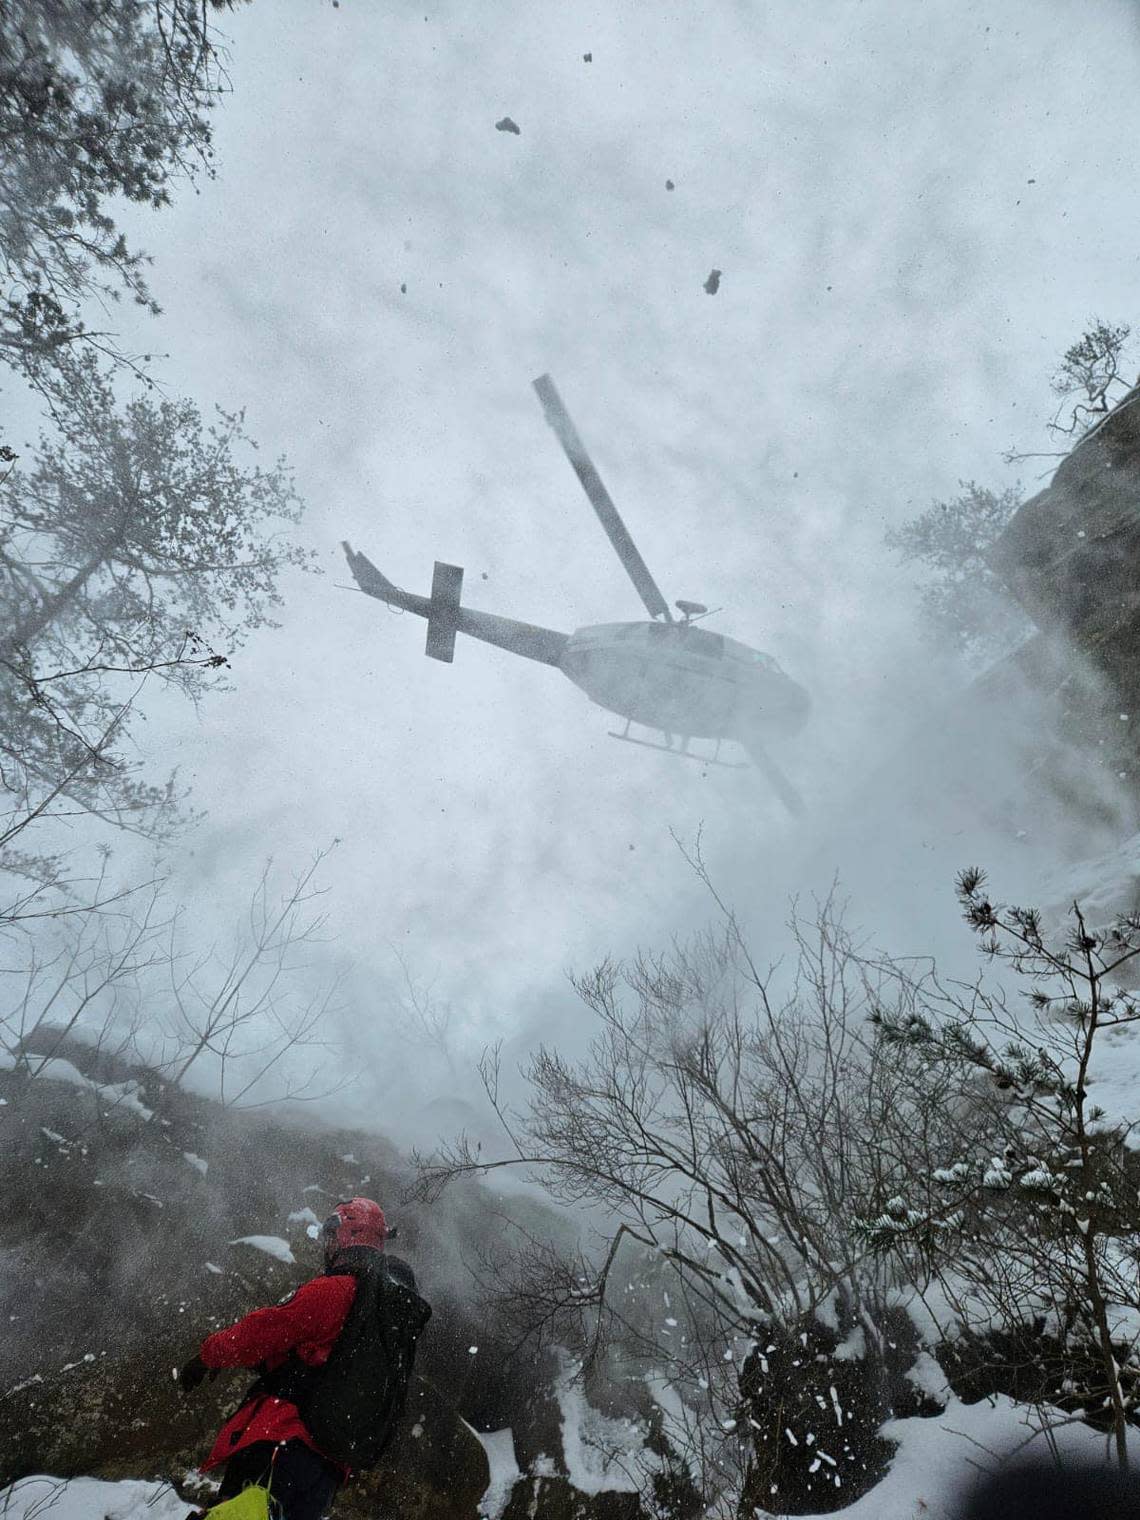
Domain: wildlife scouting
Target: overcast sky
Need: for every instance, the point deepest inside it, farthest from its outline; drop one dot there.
(915, 208)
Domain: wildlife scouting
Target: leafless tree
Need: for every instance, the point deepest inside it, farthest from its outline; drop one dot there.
(718, 1136)
(80, 978)
(247, 1011)
(125, 980)
(423, 1019)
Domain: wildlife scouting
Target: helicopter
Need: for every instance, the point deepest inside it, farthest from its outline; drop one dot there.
(669, 675)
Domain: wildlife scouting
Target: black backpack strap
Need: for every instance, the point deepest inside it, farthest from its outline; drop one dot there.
(291, 1381)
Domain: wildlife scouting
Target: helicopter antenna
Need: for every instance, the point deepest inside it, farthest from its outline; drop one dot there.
(600, 499)
(693, 612)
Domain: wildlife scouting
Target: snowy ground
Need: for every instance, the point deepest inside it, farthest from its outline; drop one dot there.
(937, 1459)
(90, 1499)
(936, 1462)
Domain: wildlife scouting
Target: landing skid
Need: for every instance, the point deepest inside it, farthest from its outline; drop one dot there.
(682, 750)
(760, 759)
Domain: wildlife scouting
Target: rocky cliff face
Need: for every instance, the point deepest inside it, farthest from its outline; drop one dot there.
(124, 1240)
(1071, 557)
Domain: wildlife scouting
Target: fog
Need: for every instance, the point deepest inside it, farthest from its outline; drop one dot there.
(915, 211)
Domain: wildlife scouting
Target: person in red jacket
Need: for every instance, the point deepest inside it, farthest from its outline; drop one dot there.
(266, 1441)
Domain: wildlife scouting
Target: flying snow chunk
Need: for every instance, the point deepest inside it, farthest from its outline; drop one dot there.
(196, 1162)
(272, 1245)
(712, 284)
(507, 125)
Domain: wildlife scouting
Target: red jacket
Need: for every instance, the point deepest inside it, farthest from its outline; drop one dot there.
(308, 1323)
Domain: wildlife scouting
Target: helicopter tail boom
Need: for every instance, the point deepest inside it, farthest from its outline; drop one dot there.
(533, 642)
(445, 617)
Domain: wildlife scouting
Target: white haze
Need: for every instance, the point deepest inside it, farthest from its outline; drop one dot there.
(915, 209)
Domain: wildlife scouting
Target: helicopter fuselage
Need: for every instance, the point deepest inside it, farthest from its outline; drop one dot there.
(684, 680)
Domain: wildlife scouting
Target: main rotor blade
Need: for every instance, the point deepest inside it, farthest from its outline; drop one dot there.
(775, 778)
(600, 500)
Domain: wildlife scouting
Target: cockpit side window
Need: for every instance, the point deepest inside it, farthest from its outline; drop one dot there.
(749, 656)
(704, 641)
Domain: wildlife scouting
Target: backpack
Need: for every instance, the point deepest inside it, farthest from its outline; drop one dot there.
(351, 1404)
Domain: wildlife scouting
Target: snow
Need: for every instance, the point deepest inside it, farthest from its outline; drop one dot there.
(603, 1455)
(54, 1070)
(196, 1162)
(87, 1498)
(88, 1356)
(997, 1174)
(927, 1376)
(272, 1245)
(306, 1217)
(853, 1347)
(303, 1216)
(120, 1095)
(1104, 885)
(937, 1458)
(676, 1422)
(500, 1448)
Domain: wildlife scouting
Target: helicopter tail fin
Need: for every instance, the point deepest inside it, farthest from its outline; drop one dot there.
(443, 615)
(368, 578)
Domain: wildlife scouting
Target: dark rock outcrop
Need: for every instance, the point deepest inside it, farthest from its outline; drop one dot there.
(1070, 554)
(1071, 557)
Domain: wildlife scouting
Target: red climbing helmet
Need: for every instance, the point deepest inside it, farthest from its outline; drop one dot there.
(358, 1222)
